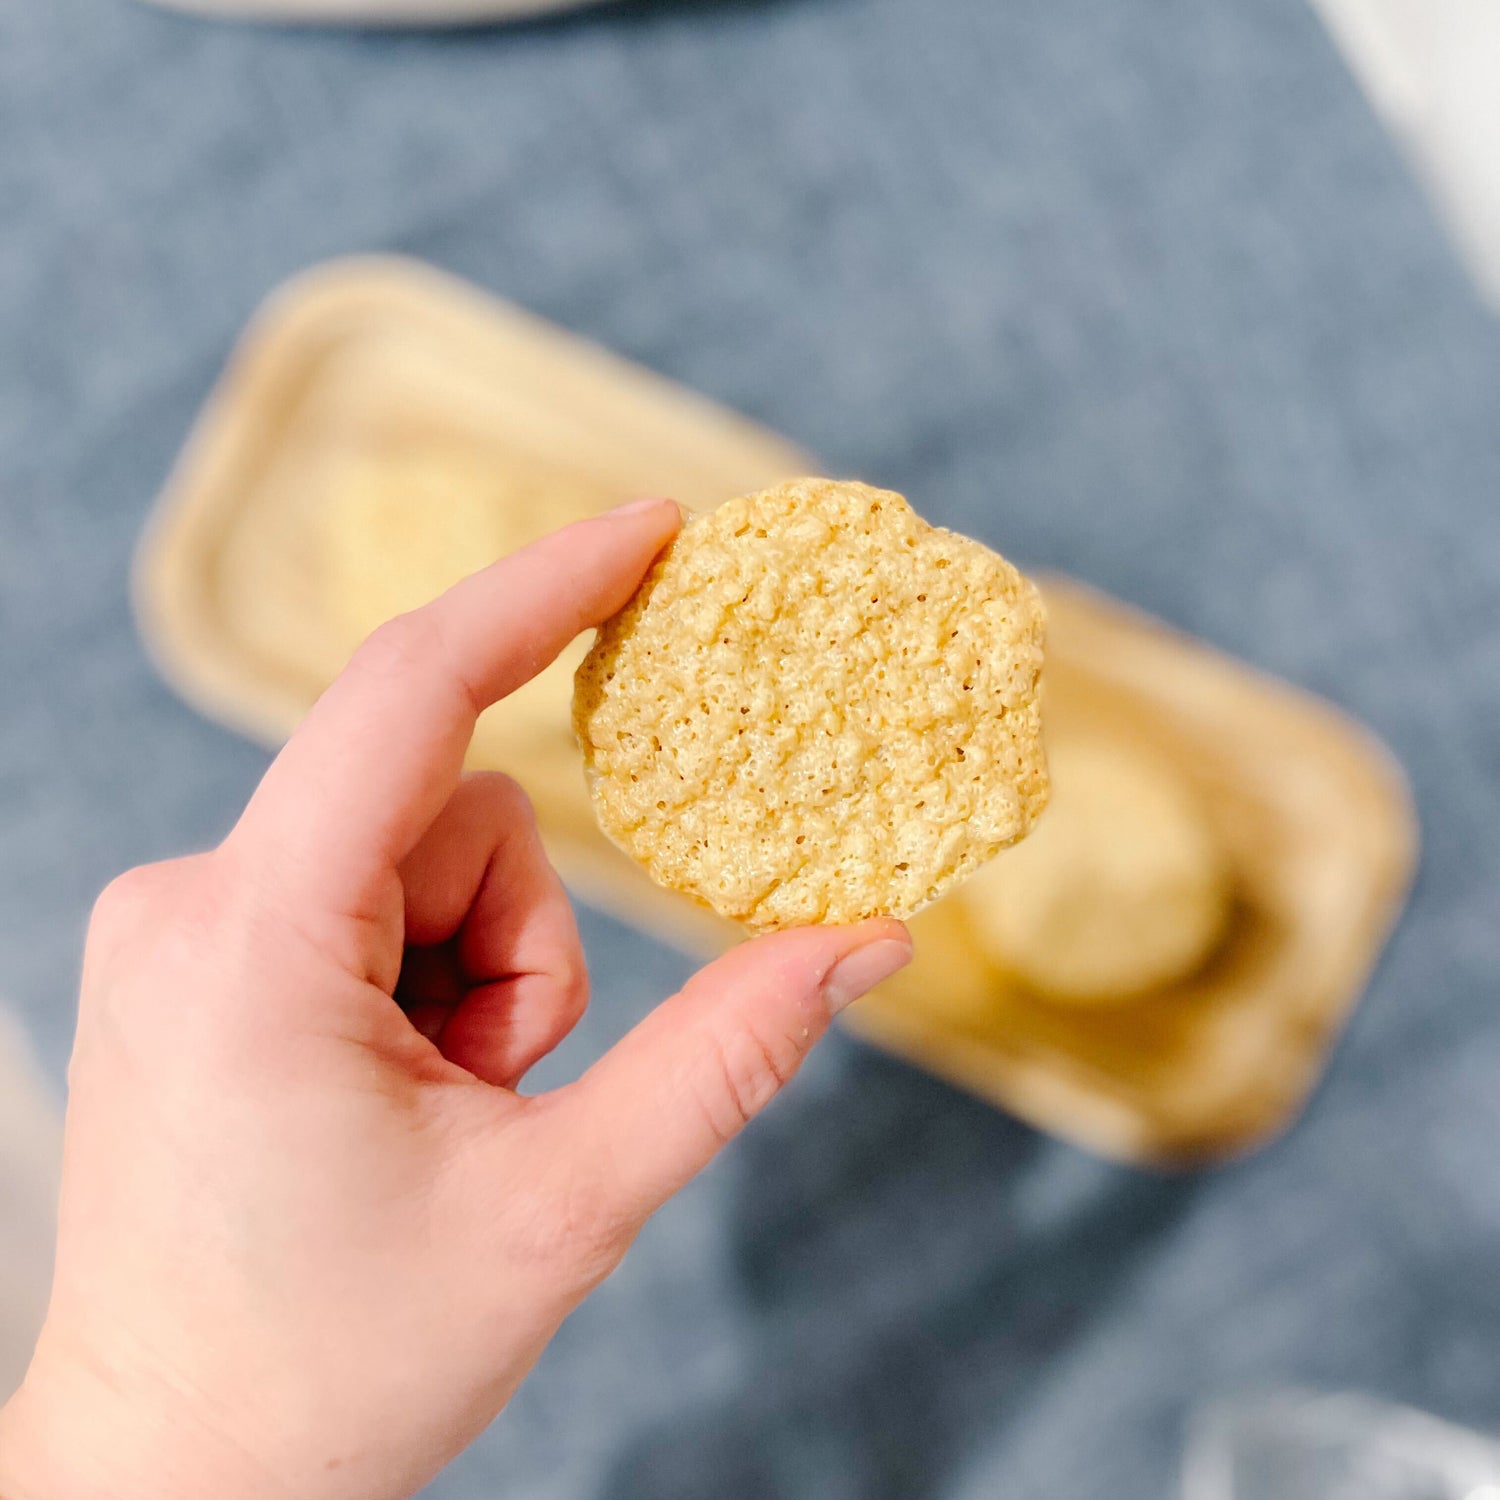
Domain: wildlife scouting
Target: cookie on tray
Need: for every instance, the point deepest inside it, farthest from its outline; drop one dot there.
(1122, 890)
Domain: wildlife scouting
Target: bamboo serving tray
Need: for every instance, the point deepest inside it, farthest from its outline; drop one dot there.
(352, 369)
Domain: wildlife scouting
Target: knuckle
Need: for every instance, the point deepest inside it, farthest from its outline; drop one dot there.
(127, 899)
(517, 801)
(126, 924)
(574, 1224)
(499, 799)
(513, 803)
(573, 986)
(587, 1224)
(413, 645)
(399, 646)
(499, 785)
(752, 1070)
(156, 908)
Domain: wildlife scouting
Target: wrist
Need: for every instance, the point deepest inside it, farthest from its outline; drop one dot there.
(73, 1433)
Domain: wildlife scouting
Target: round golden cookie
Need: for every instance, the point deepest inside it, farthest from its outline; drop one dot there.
(1121, 889)
(817, 708)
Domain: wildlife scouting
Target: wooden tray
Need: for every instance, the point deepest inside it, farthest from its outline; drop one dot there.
(360, 363)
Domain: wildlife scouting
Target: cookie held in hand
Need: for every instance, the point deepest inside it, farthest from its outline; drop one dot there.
(817, 708)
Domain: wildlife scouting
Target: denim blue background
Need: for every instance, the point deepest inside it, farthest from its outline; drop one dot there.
(1136, 288)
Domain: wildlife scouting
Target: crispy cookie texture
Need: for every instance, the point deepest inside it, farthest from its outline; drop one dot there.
(817, 708)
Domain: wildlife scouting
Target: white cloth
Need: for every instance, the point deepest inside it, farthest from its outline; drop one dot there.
(30, 1156)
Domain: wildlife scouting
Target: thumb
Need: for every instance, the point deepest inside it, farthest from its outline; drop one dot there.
(661, 1103)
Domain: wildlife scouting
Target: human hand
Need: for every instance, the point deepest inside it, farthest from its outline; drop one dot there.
(311, 1237)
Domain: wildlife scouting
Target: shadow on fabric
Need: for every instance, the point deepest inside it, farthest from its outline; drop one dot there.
(912, 1263)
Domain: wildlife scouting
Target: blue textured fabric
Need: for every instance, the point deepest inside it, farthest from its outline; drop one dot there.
(1135, 288)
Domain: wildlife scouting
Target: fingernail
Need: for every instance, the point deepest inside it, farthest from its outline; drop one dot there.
(859, 972)
(640, 507)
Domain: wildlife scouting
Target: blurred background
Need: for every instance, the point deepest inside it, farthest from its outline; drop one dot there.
(1194, 303)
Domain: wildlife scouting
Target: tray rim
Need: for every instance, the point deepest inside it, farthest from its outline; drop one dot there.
(183, 638)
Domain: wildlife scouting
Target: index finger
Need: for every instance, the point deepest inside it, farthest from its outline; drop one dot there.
(381, 751)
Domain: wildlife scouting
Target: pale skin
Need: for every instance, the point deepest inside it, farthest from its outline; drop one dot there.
(312, 1234)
